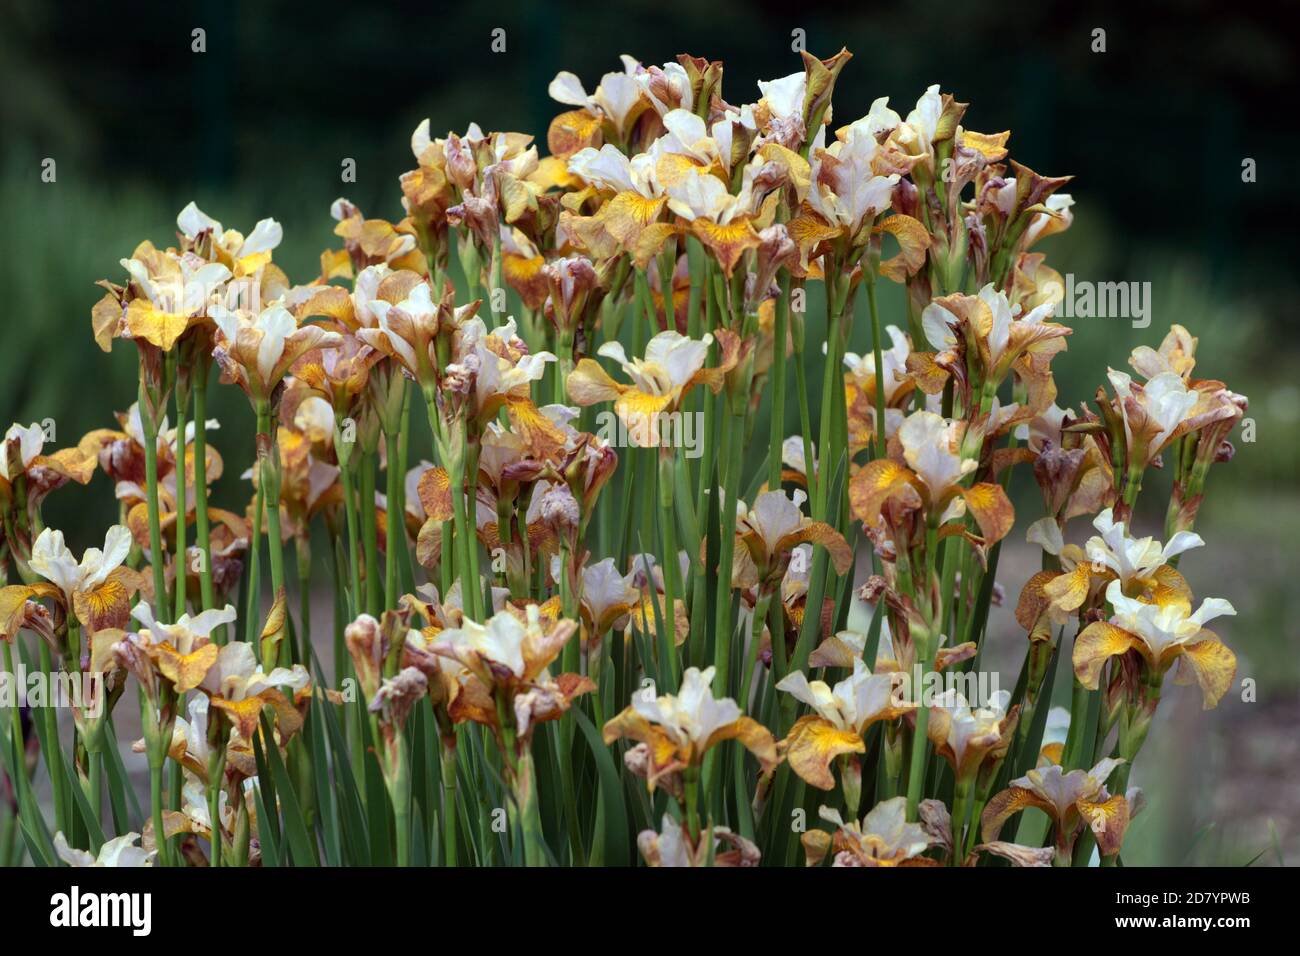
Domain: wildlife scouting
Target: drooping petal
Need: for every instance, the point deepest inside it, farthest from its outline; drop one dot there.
(811, 745)
(1096, 644)
(991, 509)
(1213, 664)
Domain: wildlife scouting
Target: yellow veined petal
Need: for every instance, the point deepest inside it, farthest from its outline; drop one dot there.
(13, 605)
(1052, 752)
(628, 213)
(929, 375)
(991, 509)
(1170, 586)
(78, 463)
(104, 320)
(186, 671)
(811, 745)
(650, 240)
(434, 491)
(553, 172)
(729, 242)
(543, 437)
(672, 168)
(643, 617)
(332, 302)
(517, 197)
(1005, 805)
(1069, 590)
(524, 274)
(640, 412)
(664, 755)
(572, 131)
(1108, 820)
(109, 604)
(160, 329)
(248, 265)
(1096, 644)
(913, 241)
(756, 738)
(626, 723)
(1213, 664)
(588, 384)
(808, 229)
(335, 264)
(872, 486)
(1033, 599)
(992, 146)
(818, 532)
(101, 649)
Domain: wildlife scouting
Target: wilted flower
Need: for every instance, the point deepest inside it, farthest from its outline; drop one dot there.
(967, 736)
(841, 717)
(238, 686)
(673, 846)
(98, 588)
(1162, 632)
(772, 530)
(1070, 800)
(120, 851)
(883, 838)
(932, 478)
(510, 656)
(680, 728)
(673, 365)
(256, 351)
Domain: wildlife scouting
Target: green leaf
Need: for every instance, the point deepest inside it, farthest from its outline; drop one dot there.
(329, 814)
(89, 817)
(302, 847)
(617, 845)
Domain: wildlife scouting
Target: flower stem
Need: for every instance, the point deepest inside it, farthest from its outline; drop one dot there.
(354, 534)
(181, 565)
(449, 798)
(271, 495)
(394, 529)
(203, 529)
(150, 428)
(370, 533)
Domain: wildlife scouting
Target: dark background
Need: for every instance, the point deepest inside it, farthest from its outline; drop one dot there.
(1155, 130)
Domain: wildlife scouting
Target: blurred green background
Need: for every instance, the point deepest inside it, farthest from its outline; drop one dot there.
(1155, 130)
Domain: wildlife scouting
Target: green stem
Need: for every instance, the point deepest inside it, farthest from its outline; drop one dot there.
(401, 794)
(449, 800)
(777, 434)
(395, 532)
(354, 534)
(878, 356)
(668, 673)
(150, 428)
(370, 533)
(53, 752)
(207, 593)
(271, 485)
(180, 564)
(252, 606)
